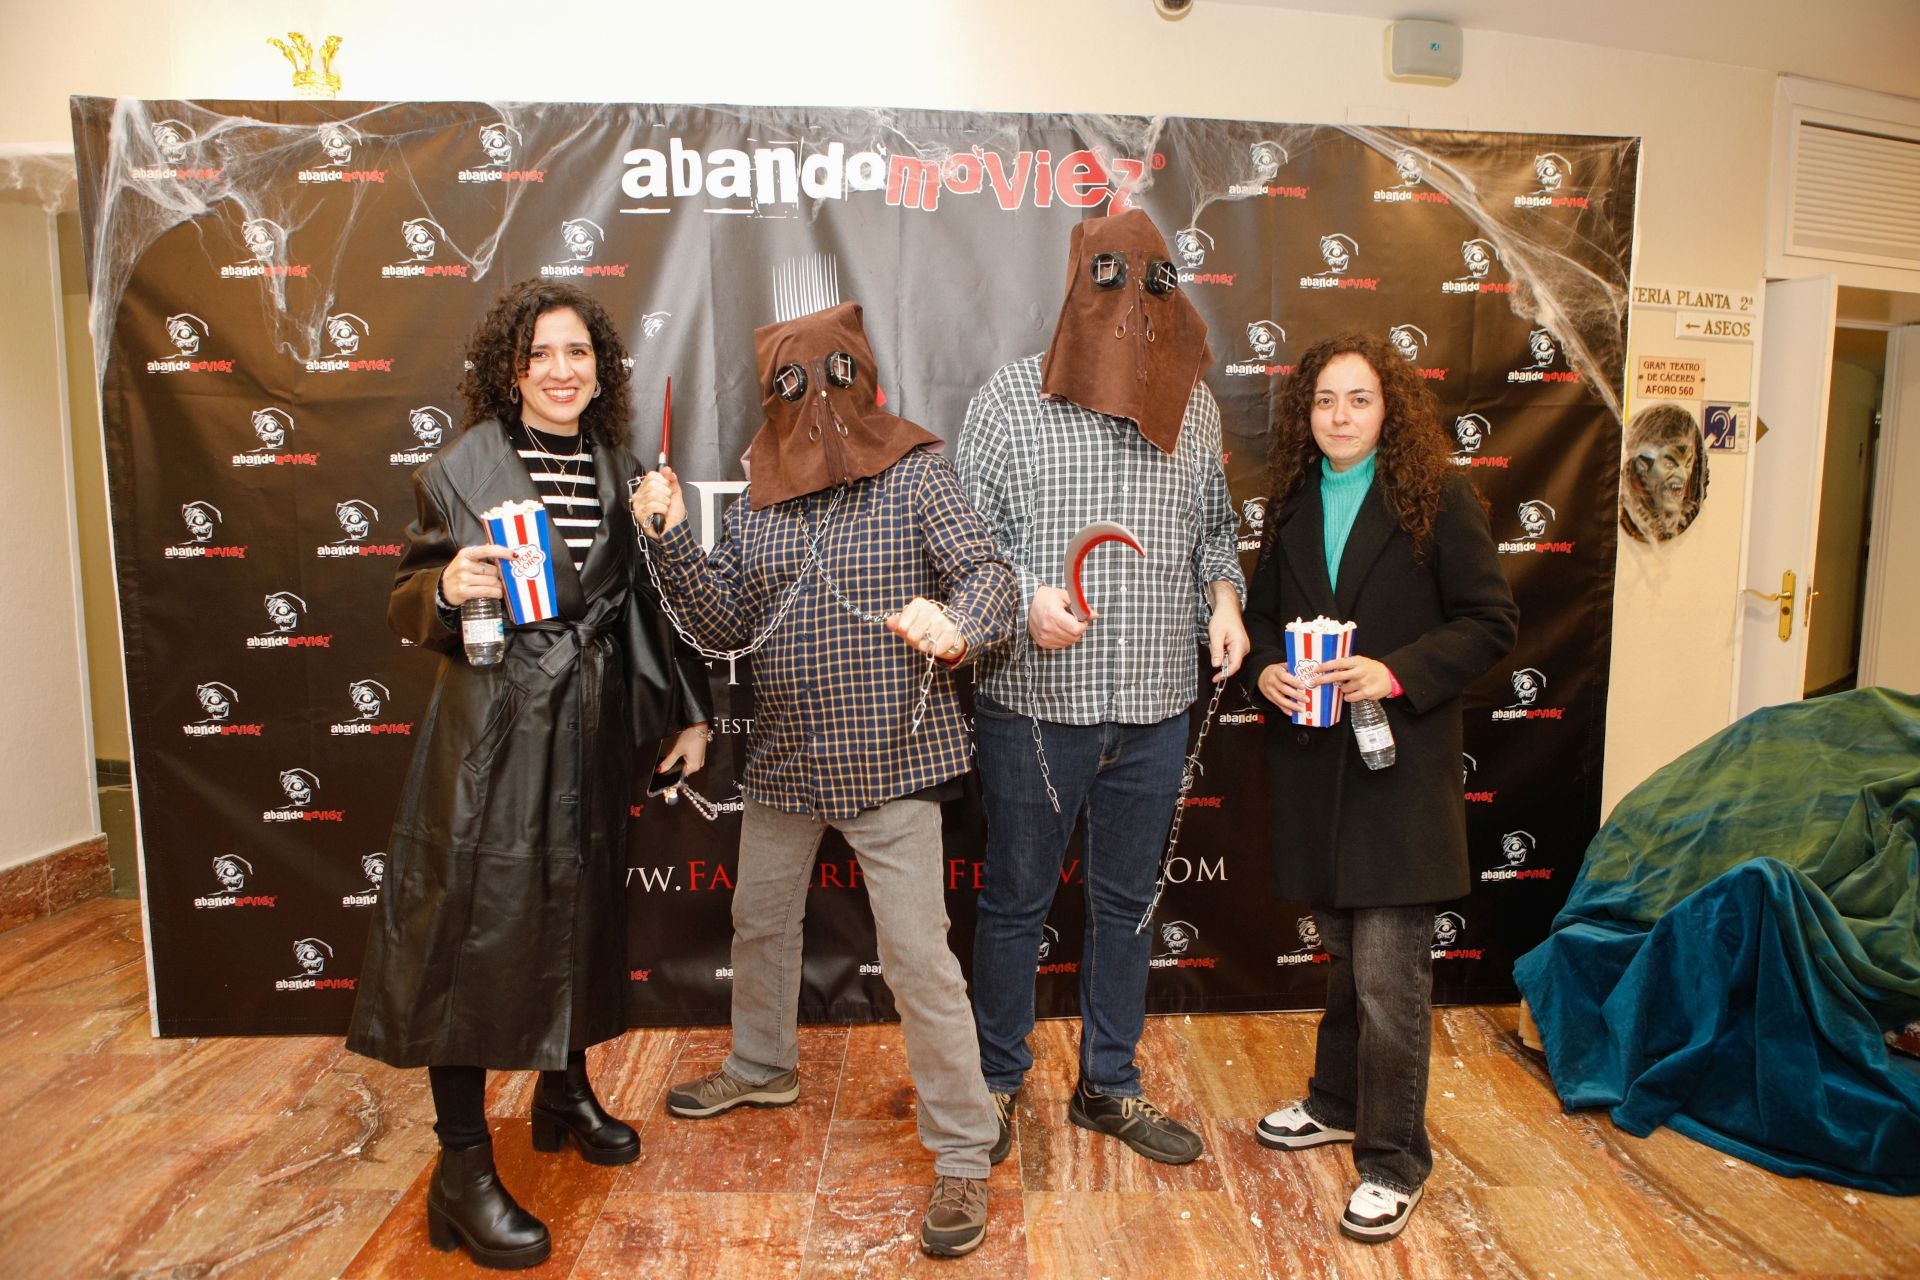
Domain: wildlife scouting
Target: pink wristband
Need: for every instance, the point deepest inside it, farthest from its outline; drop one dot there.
(1396, 691)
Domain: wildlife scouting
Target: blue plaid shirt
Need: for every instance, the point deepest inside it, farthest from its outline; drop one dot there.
(1040, 470)
(833, 695)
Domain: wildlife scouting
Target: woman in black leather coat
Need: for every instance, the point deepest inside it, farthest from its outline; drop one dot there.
(501, 938)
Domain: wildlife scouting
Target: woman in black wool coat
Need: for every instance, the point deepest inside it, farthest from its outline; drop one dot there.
(1368, 523)
(502, 929)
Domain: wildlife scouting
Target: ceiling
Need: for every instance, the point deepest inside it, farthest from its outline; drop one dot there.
(1873, 44)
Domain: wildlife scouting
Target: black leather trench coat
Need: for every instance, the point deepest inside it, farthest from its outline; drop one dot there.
(1344, 835)
(500, 939)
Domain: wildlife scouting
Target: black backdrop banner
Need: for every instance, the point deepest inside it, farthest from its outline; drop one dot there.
(282, 293)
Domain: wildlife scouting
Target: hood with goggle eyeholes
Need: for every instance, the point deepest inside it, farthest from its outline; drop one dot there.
(824, 426)
(1129, 343)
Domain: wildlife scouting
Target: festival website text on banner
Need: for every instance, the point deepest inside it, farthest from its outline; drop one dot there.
(281, 296)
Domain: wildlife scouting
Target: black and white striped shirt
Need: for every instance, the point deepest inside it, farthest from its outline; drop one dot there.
(561, 468)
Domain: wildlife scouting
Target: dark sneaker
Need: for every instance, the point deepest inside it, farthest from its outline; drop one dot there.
(1292, 1129)
(1136, 1122)
(956, 1220)
(712, 1094)
(1002, 1107)
(1376, 1213)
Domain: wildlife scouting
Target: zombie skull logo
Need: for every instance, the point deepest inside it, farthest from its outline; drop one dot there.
(1541, 346)
(337, 141)
(1408, 166)
(1267, 158)
(185, 331)
(312, 955)
(1309, 930)
(173, 141)
(356, 518)
(1551, 172)
(299, 784)
(422, 236)
(272, 426)
(1408, 339)
(1178, 937)
(498, 140)
(653, 322)
(232, 870)
(1470, 431)
(430, 425)
(1191, 243)
(581, 236)
(284, 609)
(215, 699)
(345, 331)
(1265, 337)
(1338, 252)
(1528, 683)
(263, 238)
(1467, 765)
(200, 518)
(1515, 846)
(367, 697)
(1447, 927)
(374, 865)
(1049, 939)
(1535, 515)
(1479, 257)
(1254, 512)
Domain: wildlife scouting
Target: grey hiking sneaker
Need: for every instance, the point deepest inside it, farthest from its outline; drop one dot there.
(1136, 1122)
(1003, 1108)
(956, 1220)
(712, 1094)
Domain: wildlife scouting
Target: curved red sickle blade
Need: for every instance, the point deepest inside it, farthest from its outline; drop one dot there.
(1084, 541)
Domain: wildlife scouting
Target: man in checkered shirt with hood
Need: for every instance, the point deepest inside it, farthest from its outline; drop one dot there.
(1086, 721)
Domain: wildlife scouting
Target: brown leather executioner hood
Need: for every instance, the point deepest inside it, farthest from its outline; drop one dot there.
(1128, 344)
(824, 425)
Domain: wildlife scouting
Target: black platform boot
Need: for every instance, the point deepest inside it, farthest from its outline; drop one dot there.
(564, 1107)
(466, 1205)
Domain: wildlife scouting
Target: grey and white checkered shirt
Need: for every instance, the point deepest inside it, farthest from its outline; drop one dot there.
(834, 696)
(1040, 470)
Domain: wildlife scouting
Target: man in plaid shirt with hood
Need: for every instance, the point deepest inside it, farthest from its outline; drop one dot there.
(1088, 718)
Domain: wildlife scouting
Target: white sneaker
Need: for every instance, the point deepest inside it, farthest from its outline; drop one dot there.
(1292, 1129)
(1375, 1213)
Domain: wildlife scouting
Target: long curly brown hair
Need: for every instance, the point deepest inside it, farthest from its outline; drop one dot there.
(502, 344)
(1410, 464)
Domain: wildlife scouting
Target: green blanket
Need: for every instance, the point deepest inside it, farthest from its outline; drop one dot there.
(1745, 926)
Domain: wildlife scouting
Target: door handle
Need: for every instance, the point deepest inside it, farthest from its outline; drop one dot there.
(1784, 598)
(1806, 614)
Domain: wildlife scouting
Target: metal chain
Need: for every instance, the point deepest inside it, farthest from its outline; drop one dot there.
(815, 563)
(1033, 719)
(1192, 770)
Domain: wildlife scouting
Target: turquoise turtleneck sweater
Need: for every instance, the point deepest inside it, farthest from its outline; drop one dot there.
(1341, 493)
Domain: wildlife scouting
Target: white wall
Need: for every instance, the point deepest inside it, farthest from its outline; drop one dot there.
(46, 758)
(1702, 195)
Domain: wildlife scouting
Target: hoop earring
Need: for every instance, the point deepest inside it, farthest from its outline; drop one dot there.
(513, 395)
(596, 392)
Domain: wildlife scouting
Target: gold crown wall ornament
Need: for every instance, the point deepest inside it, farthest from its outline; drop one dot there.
(307, 82)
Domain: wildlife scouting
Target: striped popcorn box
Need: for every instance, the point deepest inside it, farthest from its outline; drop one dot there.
(1308, 645)
(523, 527)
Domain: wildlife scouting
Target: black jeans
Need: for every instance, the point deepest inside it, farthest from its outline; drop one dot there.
(1370, 1060)
(460, 1098)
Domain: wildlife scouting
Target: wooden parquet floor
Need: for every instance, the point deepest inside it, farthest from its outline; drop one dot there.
(122, 1155)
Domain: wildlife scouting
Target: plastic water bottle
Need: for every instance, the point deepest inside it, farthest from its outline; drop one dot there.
(483, 629)
(1372, 732)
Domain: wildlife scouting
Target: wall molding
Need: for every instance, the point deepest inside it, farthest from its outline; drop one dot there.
(38, 888)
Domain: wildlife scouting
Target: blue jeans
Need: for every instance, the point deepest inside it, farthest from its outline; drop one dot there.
(1124, 778)
(1370, 1059)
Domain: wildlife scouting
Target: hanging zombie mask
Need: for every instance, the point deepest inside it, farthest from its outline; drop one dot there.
(1128, 344)
(824, 426)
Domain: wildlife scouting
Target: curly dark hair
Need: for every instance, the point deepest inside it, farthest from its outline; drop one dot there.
(502, 343)
(1410, 463)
